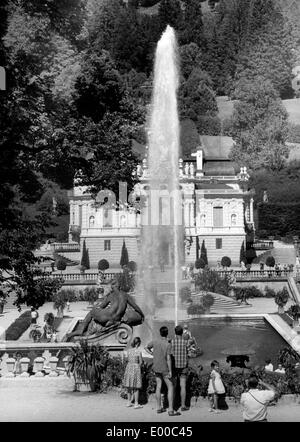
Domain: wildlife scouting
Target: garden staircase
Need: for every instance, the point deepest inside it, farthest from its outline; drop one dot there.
(68, 261)
(222, 303)
(282, 253)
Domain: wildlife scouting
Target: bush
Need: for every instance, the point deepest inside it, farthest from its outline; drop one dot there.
(195, 309)
(185, 294)
(61, 264)
(103, 264)
(282, 297)
(18, 327)
(225, 261)
(70, 295)
(59, 301)
(294, 311)
(211, 281)
(270, 261)
(207, 301)
(90, 294)
(132, 266)
(200, 263)
(269, 293)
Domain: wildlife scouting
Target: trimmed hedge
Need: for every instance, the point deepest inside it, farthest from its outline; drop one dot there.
(18, 327)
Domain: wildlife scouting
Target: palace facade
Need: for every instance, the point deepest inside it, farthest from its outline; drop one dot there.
(217, 208)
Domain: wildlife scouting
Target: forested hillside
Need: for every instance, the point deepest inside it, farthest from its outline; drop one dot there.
(79, 83)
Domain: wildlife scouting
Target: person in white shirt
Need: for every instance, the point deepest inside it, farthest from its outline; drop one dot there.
(269, 366)
(255, 402)
(280, 369)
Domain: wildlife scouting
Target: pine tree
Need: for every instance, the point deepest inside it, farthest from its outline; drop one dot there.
(124, 255)
(243, 253)
(85, 260)
(269, 50)
(203, 254)
(192, 24)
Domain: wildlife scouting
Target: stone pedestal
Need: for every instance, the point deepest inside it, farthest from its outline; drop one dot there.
(24, 367)
(38, 366)
(10, 364)
(53, 361)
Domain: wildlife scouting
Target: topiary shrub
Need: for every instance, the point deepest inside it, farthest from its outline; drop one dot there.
(195, 310)
(61, 264)
(207, 301)
(225, 261)
(250, 255)
(200, 263)
(270, 261)
(132, 265)
(103, 265)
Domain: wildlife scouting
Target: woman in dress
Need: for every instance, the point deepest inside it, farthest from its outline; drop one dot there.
(215, 387)
(133, 376)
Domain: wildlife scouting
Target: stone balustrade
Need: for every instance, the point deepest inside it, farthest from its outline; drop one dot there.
(37, 359)
(263, 245)
(86, 276)
(65, 247)
(257, 274)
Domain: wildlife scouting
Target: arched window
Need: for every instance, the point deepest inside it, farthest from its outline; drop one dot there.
(91, 221)
(233, 219)
(202, 220)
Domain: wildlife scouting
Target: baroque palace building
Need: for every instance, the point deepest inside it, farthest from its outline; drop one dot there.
(217, 208)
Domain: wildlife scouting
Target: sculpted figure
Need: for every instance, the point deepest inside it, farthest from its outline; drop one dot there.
(112, 311)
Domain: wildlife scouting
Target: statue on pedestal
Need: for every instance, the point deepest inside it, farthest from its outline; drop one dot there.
(117, 308)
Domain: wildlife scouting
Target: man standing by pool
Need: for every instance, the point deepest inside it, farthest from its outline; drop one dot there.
(160, 349)
(179, 348)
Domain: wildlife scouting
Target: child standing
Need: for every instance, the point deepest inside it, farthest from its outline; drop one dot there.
(133, 376)
(215, 387)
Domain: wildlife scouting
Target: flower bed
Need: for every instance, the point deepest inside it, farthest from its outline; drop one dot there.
(18, 327)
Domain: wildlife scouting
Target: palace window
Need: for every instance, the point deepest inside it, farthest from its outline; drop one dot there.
(203, 220)
(91, 221)
(107, 244)
(218, 243)
(218, 216)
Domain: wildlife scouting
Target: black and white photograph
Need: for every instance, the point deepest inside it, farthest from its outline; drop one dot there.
(150, 214)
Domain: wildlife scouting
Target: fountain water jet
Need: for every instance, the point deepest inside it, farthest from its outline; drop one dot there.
(162, 234)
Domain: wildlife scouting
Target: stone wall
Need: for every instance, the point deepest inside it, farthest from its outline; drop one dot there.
(95, 245)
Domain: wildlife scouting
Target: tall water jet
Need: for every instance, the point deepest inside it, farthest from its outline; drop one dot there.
(162, 224)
